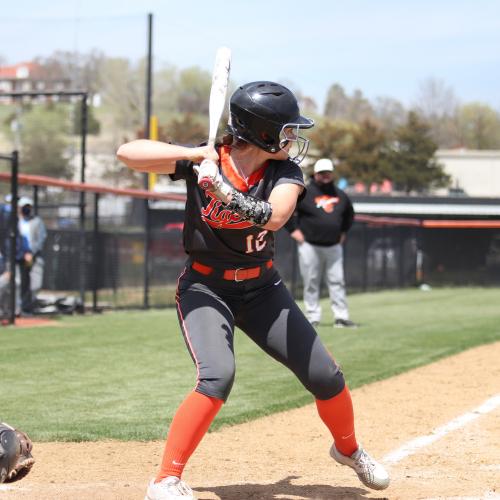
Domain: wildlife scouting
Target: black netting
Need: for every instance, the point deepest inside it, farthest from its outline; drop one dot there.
(461, 256)
(394, 256)
(104, 265)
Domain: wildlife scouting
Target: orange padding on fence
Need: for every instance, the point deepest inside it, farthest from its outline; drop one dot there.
(41, 180)
(387, 221)
(429, 223)
(466, 224)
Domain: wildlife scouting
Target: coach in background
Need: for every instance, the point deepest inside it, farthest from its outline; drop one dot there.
(319, 226)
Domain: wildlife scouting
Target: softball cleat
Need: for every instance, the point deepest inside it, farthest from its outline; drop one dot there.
(169, 488)
(369, 471)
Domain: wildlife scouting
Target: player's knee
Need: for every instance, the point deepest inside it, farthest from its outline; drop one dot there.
(327, 383)
(218, 385)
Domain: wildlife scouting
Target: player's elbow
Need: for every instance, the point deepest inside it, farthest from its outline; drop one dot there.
(123, 154)
(126, 154)
(276, 222)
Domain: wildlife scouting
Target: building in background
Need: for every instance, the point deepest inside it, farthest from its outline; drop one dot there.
(474, 173)
(29, 77)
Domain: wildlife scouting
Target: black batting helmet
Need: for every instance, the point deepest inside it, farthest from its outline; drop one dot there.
(261, 111)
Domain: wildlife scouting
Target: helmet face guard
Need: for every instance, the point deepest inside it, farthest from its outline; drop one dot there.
(290, 134)
(266, 114)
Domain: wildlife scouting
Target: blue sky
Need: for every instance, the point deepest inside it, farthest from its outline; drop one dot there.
(384, 48)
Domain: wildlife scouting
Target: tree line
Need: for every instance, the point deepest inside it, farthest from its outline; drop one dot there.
(371, 140)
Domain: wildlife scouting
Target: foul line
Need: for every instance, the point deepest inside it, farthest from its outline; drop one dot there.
(412, 446)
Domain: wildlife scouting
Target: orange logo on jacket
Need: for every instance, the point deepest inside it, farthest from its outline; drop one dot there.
(327, 203)
(215, 215)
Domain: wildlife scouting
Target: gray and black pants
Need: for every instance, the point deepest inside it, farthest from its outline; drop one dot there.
(209, 308)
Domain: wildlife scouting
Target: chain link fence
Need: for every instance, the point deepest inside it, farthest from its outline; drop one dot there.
(113, 260)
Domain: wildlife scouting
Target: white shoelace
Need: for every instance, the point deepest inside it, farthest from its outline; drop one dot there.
(366, 462)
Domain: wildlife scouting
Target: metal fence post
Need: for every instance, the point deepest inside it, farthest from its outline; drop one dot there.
(401, 273)
(83, 147)
(419, 258)
(95, 253)
(147, 135)
(35, 199)
(383, 280)
(365, 258)
(14, 231)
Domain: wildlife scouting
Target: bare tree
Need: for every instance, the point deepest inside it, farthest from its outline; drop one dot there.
(389, 113)
(340, 106)
(122, 90)
(435, 99)
(337, 103)
(479, 126)
(437, 103)
(360, 108)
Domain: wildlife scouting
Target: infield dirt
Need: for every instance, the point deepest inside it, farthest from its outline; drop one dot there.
(285, 456)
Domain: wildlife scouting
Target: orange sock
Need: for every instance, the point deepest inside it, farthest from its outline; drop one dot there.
(338, 416)
(189, 425)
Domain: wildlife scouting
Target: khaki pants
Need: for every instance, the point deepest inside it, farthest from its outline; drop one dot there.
(316, 262)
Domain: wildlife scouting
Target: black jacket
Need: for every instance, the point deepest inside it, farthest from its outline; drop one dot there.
(323, 214)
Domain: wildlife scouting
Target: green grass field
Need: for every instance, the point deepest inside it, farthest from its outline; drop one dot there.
(121, 375)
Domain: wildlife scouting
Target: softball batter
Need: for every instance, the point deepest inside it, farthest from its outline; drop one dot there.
(253, 181)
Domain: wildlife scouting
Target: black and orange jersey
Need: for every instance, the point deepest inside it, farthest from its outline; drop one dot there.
(323, 214)
(219, 237)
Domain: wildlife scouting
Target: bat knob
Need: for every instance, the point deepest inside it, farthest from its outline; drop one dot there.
(205, 183)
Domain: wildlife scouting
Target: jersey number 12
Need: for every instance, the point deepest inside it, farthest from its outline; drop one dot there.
(256, 244)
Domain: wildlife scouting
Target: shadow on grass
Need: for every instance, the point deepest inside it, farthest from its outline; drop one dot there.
(284, 489)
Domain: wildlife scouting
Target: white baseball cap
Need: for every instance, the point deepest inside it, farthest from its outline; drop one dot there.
(24, 200)
(323, 165)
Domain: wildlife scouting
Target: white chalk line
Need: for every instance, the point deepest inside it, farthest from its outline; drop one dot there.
(411, 447)
(489, 495)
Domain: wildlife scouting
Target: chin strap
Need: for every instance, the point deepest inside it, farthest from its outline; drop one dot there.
(245, 205)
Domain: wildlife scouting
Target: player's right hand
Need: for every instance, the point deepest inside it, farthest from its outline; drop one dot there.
(204, 153)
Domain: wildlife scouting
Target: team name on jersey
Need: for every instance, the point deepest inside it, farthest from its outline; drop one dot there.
(216, 215)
